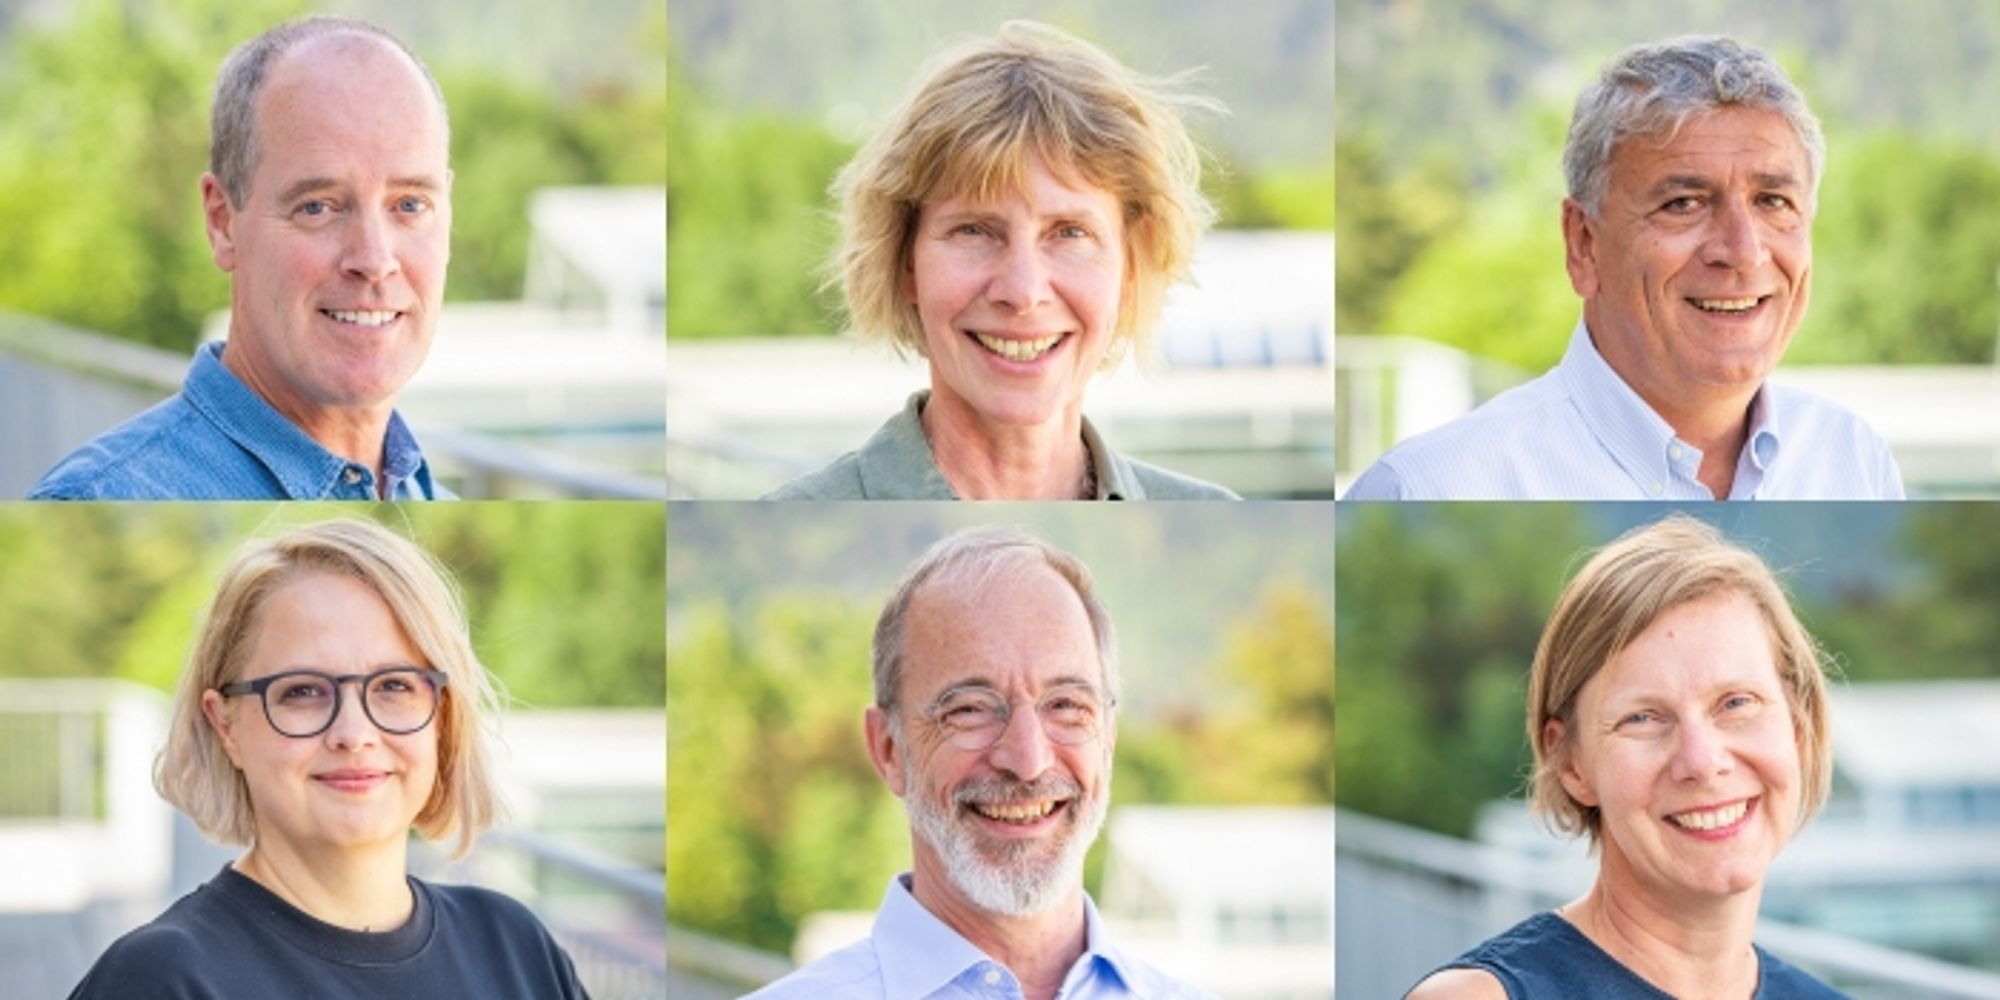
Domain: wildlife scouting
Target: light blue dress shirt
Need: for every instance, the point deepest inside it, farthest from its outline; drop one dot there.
(912, 955)
(217, 439)
(1580, 433)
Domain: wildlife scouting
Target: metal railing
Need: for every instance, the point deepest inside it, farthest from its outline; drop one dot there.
(1408, 900)
(609, 914)
(61, 386)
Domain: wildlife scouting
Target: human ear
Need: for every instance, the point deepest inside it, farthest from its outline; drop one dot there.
(1580, 248)
(216, 216)
(1554, 748)
(223, 722)
(885, 751)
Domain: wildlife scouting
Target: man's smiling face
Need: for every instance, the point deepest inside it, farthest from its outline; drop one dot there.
(1696, 268)
(338, 253)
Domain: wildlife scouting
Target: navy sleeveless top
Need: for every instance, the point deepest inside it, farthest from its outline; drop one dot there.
(1545, 956)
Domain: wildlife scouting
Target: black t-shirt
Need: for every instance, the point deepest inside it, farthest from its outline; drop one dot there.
(232, 938)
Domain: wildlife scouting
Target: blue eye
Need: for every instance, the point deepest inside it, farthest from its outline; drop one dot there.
(412, 204)
(315, 208)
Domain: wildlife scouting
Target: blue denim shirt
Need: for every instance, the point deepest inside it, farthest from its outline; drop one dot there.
(217, 439)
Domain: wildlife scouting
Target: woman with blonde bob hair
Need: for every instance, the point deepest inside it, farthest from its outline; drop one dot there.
(331, 705)
(1677, 711)
(1016, 223)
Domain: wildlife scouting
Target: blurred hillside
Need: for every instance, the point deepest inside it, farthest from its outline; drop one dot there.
(846, 64)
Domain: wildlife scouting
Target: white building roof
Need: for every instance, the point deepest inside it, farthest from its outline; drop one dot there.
(1258, 856)
(1927, 733)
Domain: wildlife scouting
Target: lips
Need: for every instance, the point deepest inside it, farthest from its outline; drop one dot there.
(1024, 806)
(351, 779)
(1718, 820)
(1728, 306)
(362, 317)
(1021, 349)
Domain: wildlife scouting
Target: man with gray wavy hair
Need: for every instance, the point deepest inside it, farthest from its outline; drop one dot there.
(1694, 169)
(996, 685)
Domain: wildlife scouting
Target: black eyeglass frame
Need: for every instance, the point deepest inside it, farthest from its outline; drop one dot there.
(436, 677)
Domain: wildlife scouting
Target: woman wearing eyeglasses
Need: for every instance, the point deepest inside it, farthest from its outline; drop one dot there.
(332, 705)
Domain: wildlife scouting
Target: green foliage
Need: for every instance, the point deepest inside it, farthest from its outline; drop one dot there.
(749, 226)
(774, 809)
(1440, 608)
(1906, 253)
(1386, 217)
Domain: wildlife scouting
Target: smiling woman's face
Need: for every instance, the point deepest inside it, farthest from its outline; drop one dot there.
(1019, 296)
(352, 787)
(1686, 744)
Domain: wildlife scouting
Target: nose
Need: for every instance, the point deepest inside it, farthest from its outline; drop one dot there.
(1735, 240)
(1701, 752)
(351, 725)
(1024, 749)
(370, 250)
(1021, 281)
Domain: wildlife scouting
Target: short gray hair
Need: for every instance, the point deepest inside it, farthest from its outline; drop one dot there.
(232, 134)
(975, 557)
(1653, 89)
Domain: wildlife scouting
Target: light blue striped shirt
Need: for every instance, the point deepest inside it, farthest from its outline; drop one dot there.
(1580, 433)
(912, 955)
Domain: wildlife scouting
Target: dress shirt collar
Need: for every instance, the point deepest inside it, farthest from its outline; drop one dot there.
(305, 469)
(1642, 442)
(920, 955)
(897, 461)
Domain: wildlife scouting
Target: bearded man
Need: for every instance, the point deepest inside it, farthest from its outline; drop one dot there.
(996, 685)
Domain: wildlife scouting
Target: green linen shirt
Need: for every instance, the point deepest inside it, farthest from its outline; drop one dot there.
(896, 464)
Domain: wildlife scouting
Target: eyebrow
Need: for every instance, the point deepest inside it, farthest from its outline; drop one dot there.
(1066, 680)
(1764, 180)
(300, 188)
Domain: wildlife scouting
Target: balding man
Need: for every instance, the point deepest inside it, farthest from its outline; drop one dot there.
(996, 686)
(328, 202)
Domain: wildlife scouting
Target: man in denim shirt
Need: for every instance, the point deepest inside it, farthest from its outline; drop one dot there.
(328, 201)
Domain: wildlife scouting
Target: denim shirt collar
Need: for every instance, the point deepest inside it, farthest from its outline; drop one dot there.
(304, 467)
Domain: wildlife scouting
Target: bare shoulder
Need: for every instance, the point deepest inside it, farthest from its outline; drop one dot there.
(1458, 984)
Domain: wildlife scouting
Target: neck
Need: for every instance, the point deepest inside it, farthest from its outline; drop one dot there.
(1687, 946)
(1038, 949)
(356, 890)
(983, 460)
(353, 433)
(1716, 420)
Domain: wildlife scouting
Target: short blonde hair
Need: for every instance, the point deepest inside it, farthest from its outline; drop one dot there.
(975, 123)
(195, 774)
(1618, 594)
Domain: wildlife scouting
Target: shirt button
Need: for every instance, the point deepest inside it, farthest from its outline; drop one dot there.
(992, 977)
(1655, 489)
(351, 476)
(1674, 452)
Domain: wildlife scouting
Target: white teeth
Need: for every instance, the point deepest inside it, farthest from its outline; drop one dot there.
(374, 317)
(1713, 818)
(1018, 350)
(1017, 812)
(1726, 305)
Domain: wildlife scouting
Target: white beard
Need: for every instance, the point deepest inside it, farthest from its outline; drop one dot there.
(1029, 876)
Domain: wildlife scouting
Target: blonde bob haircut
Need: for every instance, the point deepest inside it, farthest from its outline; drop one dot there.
(1619, 593)
(974, 125)
(195, 774)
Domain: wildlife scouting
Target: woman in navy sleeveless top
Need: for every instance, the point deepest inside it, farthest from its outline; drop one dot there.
(1677, 711)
